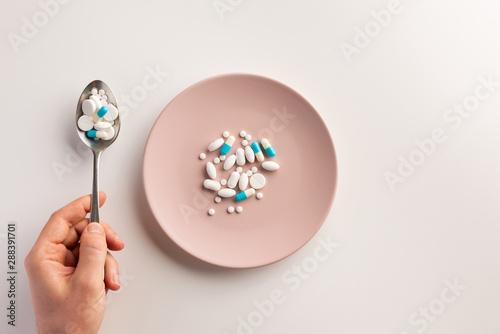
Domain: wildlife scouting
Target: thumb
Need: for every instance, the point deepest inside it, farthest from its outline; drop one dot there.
(93, 250)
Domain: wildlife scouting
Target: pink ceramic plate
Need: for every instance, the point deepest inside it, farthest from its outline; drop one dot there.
(297, 197)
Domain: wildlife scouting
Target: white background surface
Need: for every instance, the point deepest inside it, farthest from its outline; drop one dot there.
(396, 248)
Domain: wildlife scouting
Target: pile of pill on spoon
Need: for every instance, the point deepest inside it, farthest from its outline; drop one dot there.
(238, 184)
(98, 116)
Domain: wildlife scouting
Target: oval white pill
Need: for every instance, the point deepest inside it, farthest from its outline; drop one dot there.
(89, 107)
(110, 133)
(211, 212)
(259, 195)
(243, 134)
(226, 192)
(112, 113)
(211, 171)
(249, 154)
(243, 183)
(97, 102)
(254, 169)
(229, 162)
(230, 209)
(202, 156)
(102, 125)
(240, 157)
(233, 179)
(270, 165)
(215, 144)
(258, 181)
(239, 209)
(225, 134)
(211, 185)
(85, 123)
(217, 199)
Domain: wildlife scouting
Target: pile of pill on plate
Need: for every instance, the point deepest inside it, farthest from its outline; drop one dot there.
(98, 116)
(238, 184)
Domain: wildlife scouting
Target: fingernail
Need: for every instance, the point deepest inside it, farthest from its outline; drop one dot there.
(95, 227)
(116, 279)
(118, 238)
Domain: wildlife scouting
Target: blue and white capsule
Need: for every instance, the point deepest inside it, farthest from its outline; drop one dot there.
(245, 194)
(97, 134)
(267, 147)
(227, 145)
(102, 111)
(258, 152)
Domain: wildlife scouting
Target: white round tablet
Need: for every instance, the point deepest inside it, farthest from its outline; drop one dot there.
(244, 142)
(239, 209)
(255, 169)
(259, 195)
(225, 134)
(243, 134)
(89, 107)
(230, 209)
(85, 123)
(239, 169)
(222, 157)
(248, 137)
(94, 91)
(218, 199)
(112, 113)
(202, 156)
(102, 92)
(216, 160)
(249, 173)
(258, 181)
(223, 182)
(211, 212)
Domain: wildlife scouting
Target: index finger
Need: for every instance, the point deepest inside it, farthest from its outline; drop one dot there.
(57, 228)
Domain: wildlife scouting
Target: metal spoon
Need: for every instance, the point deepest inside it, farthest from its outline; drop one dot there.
(97, 146)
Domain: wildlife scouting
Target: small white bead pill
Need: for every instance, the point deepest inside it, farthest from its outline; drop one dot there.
(216, 144)
(249, 173)
(211, 212)
(94, 91)
(222, 157)
(249, 154)
(270, 165)
(239, 209)
(211, 171)
(218, 199)
(223, 182)
(248, 137)
(202, 156)
(104, 97)
(229, 162)
(230, 209)
(259, 195)
(239, 169)
(102, 92)
(243, 134)
(216, 160)
(258, 181)
(255, 169)
(244, 142)
(225, 134)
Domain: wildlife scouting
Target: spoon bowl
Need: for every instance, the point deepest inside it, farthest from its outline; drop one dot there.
(97, 146)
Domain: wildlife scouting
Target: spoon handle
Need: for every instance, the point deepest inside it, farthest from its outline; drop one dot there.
(94, 209)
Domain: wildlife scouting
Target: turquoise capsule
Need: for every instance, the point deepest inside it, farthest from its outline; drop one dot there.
(96, 134)
(102, 111)
(258, 152)
(227, 145)
(245, 194)
(268, 148)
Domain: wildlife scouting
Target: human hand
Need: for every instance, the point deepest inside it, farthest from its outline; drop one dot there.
(65, 270)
